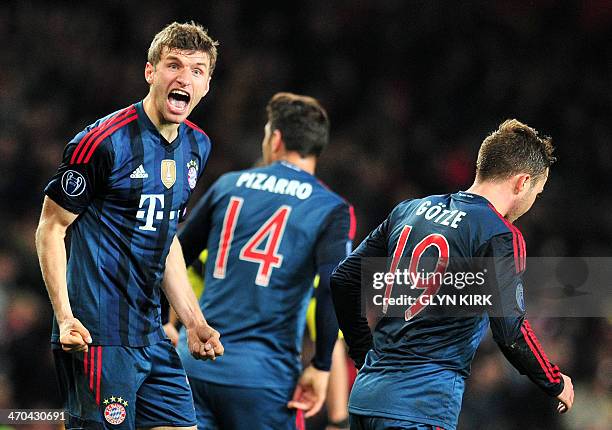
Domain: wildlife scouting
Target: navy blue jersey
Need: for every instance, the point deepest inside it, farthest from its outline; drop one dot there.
(414, 367)
(130, 187)
(267, 231)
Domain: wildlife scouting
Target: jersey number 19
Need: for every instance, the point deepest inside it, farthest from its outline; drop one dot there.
(429, 284)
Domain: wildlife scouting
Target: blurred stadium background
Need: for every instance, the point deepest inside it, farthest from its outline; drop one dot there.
(412, 87)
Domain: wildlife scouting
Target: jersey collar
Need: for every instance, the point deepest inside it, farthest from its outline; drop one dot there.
(145, 123)
(464, 196)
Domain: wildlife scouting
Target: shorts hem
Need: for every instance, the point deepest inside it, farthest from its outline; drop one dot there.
(110, 342)
(242, 385)
(372, 413)
(166, 424)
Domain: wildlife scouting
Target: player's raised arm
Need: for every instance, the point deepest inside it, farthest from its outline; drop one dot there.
(50, 234)
(203, 340)
(346, 294)
(510, 328)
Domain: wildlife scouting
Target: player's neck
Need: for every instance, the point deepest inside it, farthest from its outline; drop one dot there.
(307, 164)
(495, 193)
(169, 131)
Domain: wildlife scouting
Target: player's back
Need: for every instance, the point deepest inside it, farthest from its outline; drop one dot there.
(421, 356)
(264, 225)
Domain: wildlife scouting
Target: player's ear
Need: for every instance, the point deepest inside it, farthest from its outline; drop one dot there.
(522, 181)
(276, 142)
(207, 87)
(148, 73)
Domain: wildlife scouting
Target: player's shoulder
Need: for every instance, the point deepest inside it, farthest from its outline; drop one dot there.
(315, 189)
(332, 197)
(284, 179)
(197, 132)
(482, 216)
(95, 139)
(196, 128)
(112, 122)
(407, 207)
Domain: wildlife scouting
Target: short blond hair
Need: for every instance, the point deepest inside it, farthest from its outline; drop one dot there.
(512, 149)
(189, 36)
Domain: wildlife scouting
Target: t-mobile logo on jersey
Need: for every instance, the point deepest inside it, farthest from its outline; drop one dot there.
(155, 211)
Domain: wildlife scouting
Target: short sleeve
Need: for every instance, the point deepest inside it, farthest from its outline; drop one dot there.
(79, 179)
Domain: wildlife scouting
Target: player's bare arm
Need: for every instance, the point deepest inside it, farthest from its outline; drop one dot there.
(310, 392)
(51, 249)
(170, 328)
(202, 339)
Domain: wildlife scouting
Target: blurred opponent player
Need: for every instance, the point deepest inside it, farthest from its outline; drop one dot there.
(268, 231)
(413, 371)
(122, 187)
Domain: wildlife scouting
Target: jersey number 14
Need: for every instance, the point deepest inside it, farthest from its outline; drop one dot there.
(267, 256)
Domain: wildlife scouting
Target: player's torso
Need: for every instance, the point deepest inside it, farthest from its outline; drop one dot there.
(261, 264)
(120, 243)
(265, 225)
(148, 191)
(426, 348)
(436, 241)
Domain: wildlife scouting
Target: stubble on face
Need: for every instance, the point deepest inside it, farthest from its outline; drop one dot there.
(178, 82)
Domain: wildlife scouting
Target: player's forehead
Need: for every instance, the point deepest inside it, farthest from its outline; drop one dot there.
(187, 56)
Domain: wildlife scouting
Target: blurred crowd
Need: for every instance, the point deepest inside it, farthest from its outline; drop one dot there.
(412, 88)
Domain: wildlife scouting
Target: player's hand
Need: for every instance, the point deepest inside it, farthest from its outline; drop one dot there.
(172, 333)
(74, 337)
(310, 391)
(203, 342)
(566, 398)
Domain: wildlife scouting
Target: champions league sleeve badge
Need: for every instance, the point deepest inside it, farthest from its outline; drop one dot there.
(73, 183)
(114, 412)
(520, 298)
(192, 173)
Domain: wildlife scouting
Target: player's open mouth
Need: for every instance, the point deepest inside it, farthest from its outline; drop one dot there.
(178, 101)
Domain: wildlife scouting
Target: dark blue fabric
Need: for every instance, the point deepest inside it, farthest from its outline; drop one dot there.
(225, 407)
(259, 311)
(127, 221)
(139, 387)
(415, 369)
(361, 422)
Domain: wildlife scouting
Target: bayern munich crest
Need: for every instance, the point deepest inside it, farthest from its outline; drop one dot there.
(114, 412)
(192, 173)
